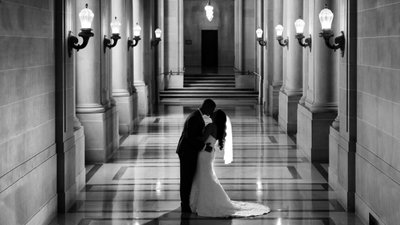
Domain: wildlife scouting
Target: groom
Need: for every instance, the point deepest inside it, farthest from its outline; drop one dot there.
(191, 142)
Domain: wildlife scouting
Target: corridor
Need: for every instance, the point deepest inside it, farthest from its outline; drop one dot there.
(140, 185)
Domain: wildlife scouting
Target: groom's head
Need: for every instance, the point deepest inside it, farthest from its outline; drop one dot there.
(208, 107)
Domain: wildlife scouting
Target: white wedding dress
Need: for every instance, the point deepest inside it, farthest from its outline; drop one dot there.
(208, 198)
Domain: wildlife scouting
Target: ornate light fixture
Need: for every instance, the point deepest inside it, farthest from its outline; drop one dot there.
(326, 19)
(157, 40)
(86, 18)
(209, 11)
(136, 36)
(299, 25)
(115, 30)
(259, 33)
(279, 36)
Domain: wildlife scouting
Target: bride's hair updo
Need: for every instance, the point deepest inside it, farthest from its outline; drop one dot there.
(220, 122)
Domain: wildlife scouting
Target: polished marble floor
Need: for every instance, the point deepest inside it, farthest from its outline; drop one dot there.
(140, 185)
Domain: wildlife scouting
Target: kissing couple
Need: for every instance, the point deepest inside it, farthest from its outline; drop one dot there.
(200, 190)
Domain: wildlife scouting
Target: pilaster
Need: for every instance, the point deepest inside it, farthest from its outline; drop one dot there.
(318, 109)
(121, 78)
(293, 72)
(94, 103)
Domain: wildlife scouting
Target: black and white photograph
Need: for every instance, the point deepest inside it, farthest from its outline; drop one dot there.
(200, 112)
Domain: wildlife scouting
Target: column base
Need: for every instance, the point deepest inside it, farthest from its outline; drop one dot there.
(126, 113)
(143, 99)
(313, 133)
(273, 103)
(287, 116)
(101, 134)
(341, 170)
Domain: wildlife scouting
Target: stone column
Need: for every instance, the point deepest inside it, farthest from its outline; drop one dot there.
(265, 54)
(238, 34)
(292, 90)
(130, 65)
(93, 101)
(161, 62)
(139, 60)
(121, 79)
(320, 108)
(261, 64)
(173, 42)
(275, 17)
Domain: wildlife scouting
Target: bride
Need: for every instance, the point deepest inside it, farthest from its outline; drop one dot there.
(207, 197)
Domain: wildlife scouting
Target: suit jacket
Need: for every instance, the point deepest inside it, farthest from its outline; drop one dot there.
(192, 138)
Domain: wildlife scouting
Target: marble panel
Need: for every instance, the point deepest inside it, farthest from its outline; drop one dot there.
(378, 192)
(385, 26)
(373, 4)
(396, 120)
(29, 195)
(27, 18)
(385, 111)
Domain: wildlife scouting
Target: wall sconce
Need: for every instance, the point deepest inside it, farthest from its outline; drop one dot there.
(209, 11)
(115, 30)
(279, 36)
(326, 19)
(259, 33)
(86, 18)
(136, 36)
(299, 25)
(157, 40)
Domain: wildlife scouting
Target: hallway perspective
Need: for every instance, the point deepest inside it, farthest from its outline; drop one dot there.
(140, 184)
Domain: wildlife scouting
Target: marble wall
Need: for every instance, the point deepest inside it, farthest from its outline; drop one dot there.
(195, 21)
(378, 110)
(28, 162)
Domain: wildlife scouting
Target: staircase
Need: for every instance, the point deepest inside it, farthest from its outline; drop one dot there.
(198, 87)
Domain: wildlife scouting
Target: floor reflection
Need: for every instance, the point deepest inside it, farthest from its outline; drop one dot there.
(140, 184)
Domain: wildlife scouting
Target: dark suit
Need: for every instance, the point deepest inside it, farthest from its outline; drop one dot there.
(190, 143)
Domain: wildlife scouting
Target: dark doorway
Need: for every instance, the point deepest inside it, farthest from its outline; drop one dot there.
(209, 48)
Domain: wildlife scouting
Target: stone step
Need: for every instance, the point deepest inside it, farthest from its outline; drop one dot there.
(219, 101)
(209, 95)
(209, 75)
(209, 85)
(201, 91)
(210, 81)
(211, 88)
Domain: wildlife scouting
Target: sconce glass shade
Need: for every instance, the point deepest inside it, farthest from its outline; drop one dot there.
(86, 17)
(259, 33)
(299, 25)
(326, 19)
(115, 26)
(209, 11)
(279, 30)
(158, 33)
(137, 30)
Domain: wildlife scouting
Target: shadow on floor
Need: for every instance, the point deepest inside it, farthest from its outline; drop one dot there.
(188, 219)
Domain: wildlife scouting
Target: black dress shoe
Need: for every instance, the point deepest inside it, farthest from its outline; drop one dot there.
(186, 209)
